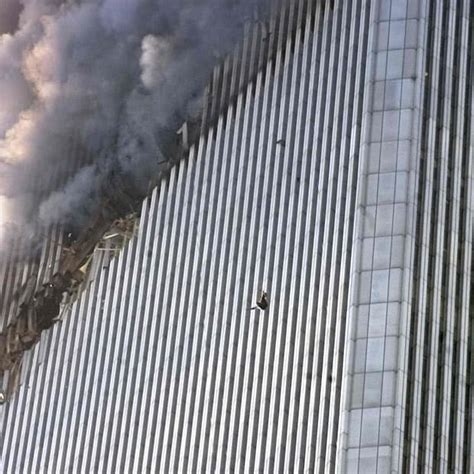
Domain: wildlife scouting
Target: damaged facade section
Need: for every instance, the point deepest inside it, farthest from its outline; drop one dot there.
(36, 309)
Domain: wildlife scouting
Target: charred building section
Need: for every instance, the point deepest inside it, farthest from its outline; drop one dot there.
(35, 308)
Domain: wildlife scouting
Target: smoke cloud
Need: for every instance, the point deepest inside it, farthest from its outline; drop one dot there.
(91, 89)
(9, 15)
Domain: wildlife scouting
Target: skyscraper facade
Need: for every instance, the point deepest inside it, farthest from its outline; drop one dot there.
(298, 293)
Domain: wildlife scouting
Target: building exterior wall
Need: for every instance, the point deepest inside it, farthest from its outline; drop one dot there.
(408, 386)
(339, 180)
(439, 396)
(385, 235)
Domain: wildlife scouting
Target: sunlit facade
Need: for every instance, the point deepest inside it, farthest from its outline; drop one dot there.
(333, 172)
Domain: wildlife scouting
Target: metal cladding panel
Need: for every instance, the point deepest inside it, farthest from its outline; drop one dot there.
(163, 365)
(407, 381)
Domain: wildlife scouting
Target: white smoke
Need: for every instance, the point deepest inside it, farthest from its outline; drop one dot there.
(105, 80)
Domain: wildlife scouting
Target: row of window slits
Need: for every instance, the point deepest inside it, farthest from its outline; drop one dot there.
(446, 277)
(421, 198)
(330, 207)
(282, 37)
(458, 278)
(468, 408)
(436, 206)
(434, 216)
(270, 36)
(352, 193)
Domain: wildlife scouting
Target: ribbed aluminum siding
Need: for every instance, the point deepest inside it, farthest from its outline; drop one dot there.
(408, 375)
(439, 400)
(162, 367)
